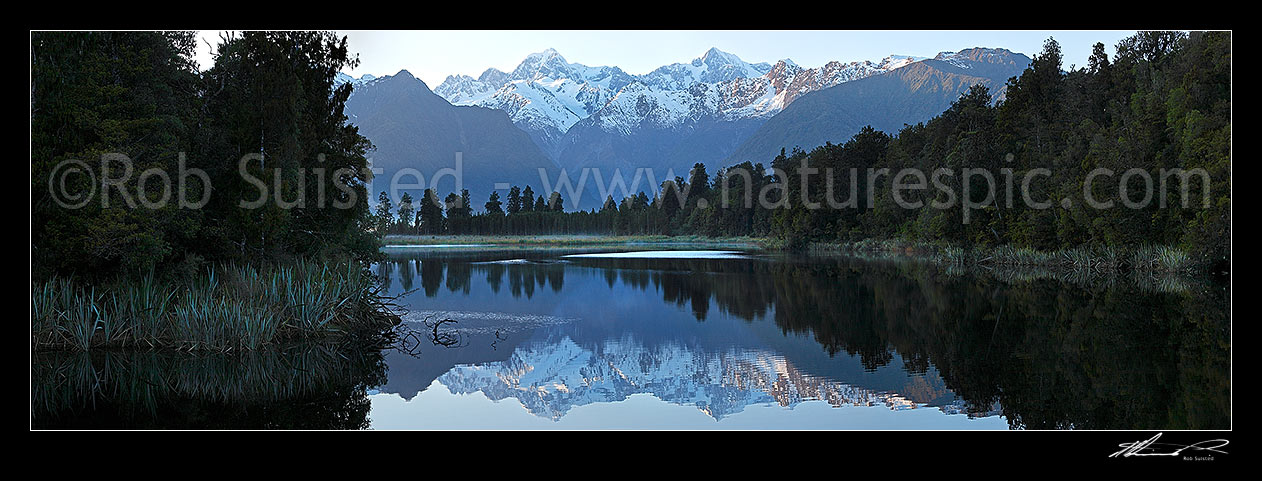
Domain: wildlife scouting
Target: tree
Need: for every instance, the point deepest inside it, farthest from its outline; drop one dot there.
(93, 93)
(527, 199)
(466, 205)
(458, 212)
(452, 203)
(698, 184)
(270, 101)
(493, 205)
(431, 213)
(668, 196)
(385, 219)
(514, 200)
(555, 203)
(407, 213)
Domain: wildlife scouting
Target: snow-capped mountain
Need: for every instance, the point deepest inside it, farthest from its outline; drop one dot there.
(973, 56)
(546, 95)
(713, 66)
(786, 81)
(650, 125)
(551, 378)
(914, 92)
(342, 78)
(741, 97)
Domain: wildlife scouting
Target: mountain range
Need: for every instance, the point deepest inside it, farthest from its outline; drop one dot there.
(716, 109)
(550, 379)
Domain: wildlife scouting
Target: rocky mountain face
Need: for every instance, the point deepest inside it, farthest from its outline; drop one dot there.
(603, 117)
(648, 126)
(908, 95)
(544, 95)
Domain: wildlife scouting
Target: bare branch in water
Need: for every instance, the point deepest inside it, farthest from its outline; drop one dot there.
(445, 339)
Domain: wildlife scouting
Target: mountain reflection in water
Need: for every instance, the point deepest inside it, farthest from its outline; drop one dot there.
(1043, 351)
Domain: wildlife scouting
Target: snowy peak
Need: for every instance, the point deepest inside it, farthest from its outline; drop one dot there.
(458, 89)
(897, 61)
(341, 78)
(785, 81)
(493, 76)
(970, 57)
(711, 67)
(545, 64)
(715, 58)
(544, 95)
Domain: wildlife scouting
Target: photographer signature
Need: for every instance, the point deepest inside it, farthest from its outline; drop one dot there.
(1151, 447)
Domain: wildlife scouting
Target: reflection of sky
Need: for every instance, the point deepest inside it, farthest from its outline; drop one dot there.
(438, 408)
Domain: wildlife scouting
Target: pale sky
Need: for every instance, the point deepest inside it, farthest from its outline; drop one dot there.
(432, 55)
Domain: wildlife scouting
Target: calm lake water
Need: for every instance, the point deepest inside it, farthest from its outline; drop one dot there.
(602, 338)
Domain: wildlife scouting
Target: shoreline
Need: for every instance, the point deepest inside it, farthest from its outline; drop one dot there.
(563, 240)
(1147, 259)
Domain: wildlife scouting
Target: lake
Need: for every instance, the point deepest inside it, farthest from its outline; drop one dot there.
(641, 337)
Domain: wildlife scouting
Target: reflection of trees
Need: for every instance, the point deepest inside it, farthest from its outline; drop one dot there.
(556, 278)
(684, 289)
(495, 276)
(1052, 353)
(458, 276)
(298, 387)
(431, 276)
(527, 278)
(523, 279)
(407, 273)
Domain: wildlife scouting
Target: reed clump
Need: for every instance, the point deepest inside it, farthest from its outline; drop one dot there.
(230, 307)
